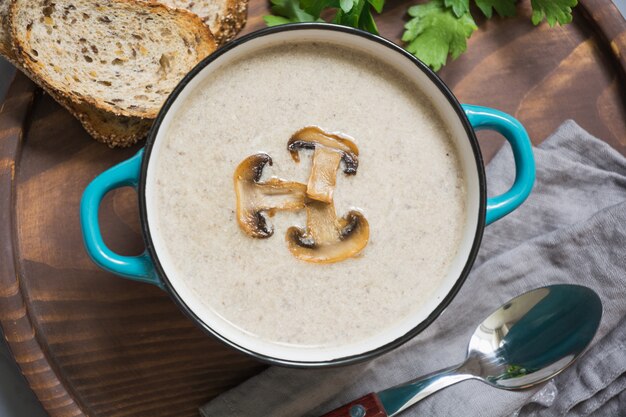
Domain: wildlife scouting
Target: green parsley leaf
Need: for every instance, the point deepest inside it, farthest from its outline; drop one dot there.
(377, 5)
(360, 16)
(315, 7)
(355, 13)
(505, 8)
(352, 16)
(346, 5)
(554, 11)
(271, 20)
(459, 7)
(288, 11)
(434, 32)
(366, 22)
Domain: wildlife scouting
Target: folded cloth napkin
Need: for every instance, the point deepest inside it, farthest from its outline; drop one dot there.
(572, 229)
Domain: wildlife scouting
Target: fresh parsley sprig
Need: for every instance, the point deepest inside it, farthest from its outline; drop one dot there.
(437, 28)
(436, 31)
(554, 11)
(355, 13)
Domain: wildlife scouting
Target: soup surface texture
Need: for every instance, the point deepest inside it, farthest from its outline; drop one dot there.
(409, 186)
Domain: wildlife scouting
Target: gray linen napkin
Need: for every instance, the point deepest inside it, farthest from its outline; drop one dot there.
(572, 229)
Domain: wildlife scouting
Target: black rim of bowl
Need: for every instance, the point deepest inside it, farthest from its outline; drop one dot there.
(348, 359)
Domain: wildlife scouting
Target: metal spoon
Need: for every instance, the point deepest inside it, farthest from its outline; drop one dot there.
(525, 342)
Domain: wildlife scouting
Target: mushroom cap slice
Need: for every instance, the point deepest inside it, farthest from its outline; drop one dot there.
(255, 197)
(330, 150)
(312, 136)
(328, 239)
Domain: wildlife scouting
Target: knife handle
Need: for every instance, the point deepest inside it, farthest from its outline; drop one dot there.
(367, 406)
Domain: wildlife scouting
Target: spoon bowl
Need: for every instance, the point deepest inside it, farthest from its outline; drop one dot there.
(528, 340)
(534, 336)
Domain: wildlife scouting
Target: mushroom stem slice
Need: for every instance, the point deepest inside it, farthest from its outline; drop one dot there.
(328, 239)
(322, 223)
(323, 175)
(255, 197)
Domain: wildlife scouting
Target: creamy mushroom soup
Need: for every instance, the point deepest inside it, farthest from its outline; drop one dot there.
(309, 194)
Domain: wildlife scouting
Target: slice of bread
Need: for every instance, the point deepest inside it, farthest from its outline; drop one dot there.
(111, 64)
(115, 131)
(5, 36)
(225, 18)
(112, 130)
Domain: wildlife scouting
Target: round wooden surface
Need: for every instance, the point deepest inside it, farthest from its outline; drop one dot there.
(93, 344)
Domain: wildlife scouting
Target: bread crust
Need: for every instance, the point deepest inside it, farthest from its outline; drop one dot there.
(7, 52)
(112, 125)
(185, 18)
(224, 24)
(233, 21)
(5, 36)
(115, 132)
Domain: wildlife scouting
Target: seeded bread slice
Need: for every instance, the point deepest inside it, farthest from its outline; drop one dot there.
(115, 131)
(225, 18)
(5, 36)
(111, 64)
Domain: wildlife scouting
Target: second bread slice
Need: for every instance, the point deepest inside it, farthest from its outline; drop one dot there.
(225, 18)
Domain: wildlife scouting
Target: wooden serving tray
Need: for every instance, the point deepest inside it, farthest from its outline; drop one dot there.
(90, 343)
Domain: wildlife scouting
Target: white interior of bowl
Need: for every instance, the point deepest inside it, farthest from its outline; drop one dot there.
(315, 355)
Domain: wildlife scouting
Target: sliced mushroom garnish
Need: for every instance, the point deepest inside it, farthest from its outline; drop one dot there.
(330, 150)
(255, 197)
(328, 238)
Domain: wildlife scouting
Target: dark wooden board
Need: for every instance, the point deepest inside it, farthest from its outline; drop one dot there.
(93, 344)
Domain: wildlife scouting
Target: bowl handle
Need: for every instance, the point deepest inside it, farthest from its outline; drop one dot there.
(138, 268)
(482, 118)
